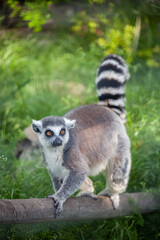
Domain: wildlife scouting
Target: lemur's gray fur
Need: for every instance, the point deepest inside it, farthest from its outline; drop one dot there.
(89, 139)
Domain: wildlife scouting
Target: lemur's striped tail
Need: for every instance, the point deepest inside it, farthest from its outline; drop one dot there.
(110, 81)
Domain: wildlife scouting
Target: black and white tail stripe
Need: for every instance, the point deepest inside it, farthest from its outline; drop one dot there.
(110, 81)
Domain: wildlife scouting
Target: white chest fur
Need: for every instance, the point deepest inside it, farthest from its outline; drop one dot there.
(54, 160)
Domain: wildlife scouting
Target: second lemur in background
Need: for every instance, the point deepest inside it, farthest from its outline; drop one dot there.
(89, 139)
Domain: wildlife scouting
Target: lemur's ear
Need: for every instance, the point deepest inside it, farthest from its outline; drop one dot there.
(69, 123)
(37, 126)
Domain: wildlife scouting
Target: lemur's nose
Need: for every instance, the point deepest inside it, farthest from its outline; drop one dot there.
(57, 142)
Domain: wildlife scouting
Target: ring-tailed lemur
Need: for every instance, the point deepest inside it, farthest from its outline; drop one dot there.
(89, 139)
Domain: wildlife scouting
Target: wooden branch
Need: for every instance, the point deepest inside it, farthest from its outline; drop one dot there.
(77, 208)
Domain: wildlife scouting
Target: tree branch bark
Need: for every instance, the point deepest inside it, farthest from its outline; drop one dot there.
(75, 208)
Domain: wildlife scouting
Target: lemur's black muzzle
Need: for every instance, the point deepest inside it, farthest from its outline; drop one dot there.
(57, 142)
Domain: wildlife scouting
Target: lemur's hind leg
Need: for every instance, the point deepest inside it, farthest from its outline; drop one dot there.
(118, 172)
(87, 189)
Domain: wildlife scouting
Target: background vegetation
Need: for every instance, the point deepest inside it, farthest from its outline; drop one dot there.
(51, 69)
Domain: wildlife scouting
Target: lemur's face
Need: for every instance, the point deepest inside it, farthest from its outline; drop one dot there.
(53, 131)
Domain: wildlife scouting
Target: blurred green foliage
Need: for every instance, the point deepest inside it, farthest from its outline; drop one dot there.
(112, 37)
(130, 28)
(36, 13)
(49, 73)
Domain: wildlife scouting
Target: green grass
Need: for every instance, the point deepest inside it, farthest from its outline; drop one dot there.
(39, 77)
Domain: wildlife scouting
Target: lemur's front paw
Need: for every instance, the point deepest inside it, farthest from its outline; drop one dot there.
(58, 204)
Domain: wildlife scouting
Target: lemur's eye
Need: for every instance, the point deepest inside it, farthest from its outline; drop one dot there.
(49, 133)
(62, 132)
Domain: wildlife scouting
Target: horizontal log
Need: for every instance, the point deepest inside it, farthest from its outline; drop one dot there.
(75, 208)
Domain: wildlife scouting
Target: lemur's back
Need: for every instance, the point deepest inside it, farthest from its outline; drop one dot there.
(96, 131)
(90, 116)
